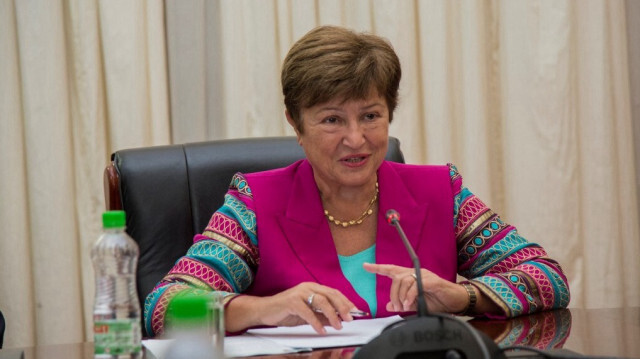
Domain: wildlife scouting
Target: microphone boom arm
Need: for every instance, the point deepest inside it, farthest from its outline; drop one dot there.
(422, 302)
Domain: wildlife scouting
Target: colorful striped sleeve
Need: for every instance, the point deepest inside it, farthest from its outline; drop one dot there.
(223, 259)
(515, 274)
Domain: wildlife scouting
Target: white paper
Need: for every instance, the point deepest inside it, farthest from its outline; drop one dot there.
(157, 347)
(283, 340)
(248, 345)
(357, 332)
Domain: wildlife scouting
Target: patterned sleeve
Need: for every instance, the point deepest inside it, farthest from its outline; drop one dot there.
(223, 259)
(515, 274)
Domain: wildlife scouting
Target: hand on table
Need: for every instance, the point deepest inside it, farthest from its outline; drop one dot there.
(307, 303)
(440, 294)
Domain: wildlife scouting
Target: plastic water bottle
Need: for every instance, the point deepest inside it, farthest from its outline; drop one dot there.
(189, 324)
(116, 310)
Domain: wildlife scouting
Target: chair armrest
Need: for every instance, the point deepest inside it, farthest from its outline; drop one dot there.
(112, 199)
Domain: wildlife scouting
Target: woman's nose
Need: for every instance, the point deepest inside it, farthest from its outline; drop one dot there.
(354, 135)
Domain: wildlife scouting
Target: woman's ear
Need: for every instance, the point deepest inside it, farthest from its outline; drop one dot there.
(293, 124)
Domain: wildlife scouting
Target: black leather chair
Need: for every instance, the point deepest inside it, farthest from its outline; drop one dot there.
(170, 192)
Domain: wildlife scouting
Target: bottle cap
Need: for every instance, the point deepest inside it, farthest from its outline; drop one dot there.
(189, 309)
(113, 219)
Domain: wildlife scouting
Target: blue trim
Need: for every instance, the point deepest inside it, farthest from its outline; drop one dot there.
(223, 260)
(149, 304)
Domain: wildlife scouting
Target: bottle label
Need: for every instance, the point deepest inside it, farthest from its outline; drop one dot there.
(117, 336)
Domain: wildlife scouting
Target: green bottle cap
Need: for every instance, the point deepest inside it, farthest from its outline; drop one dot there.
(189, 309)
(113, 219)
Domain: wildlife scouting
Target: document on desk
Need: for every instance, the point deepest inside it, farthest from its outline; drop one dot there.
(283, 340)
(357, 332)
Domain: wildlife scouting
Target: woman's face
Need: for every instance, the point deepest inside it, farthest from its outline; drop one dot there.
(345, 141)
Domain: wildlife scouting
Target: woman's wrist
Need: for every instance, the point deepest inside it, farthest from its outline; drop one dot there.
(242, 313)
(472, 298)
(483, 304)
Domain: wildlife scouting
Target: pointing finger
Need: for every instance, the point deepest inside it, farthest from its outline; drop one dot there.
(388, 270)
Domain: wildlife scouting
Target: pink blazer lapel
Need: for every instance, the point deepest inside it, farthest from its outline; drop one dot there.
(394, 194)
(307, 232)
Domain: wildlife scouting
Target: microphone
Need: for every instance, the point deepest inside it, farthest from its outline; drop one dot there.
(427, 335)
(393, 217)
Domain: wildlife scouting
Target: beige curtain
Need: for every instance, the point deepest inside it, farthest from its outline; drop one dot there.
(633, 41)
(78, 80)
(531, 99)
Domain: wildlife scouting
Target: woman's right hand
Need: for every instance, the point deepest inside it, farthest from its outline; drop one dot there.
(290, 308)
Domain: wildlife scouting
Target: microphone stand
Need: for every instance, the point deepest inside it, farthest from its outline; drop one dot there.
(394, 219)
(427, 335)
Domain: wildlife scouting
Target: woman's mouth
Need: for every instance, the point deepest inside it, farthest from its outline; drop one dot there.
(355, 161)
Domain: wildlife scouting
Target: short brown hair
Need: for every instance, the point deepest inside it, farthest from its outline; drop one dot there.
(333, 62)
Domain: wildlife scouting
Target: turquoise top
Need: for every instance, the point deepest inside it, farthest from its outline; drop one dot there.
(362, 281)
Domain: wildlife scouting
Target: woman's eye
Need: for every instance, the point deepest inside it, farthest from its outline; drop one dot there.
(370, 116)
(330, 120)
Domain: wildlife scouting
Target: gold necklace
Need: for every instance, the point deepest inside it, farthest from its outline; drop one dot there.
(367, 212)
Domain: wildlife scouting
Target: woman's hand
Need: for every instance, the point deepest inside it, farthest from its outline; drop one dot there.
(291, 307)
(440, 294)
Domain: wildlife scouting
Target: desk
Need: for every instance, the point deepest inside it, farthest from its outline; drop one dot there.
(610, 332)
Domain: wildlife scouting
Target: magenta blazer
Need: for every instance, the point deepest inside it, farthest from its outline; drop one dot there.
(295, 240)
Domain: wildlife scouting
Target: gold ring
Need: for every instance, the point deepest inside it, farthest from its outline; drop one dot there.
(310, 299)
(414, 276)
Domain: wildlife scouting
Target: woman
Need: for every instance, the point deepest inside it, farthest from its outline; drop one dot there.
(309, 243)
